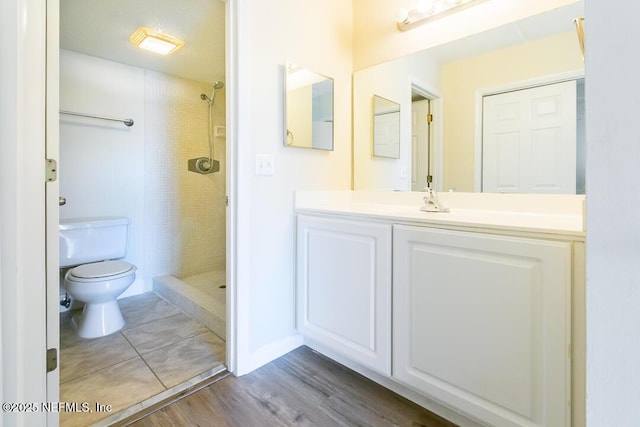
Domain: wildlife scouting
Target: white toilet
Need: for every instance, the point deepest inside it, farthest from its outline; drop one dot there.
(83, 241)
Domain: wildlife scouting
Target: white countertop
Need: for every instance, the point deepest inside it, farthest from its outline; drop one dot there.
(548, 214)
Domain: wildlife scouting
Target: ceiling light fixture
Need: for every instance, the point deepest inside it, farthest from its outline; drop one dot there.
(428, 10)
(154, 41)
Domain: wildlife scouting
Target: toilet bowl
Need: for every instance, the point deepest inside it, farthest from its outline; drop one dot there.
(98, 285)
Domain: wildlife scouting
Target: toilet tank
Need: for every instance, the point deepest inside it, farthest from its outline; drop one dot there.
(84, 240)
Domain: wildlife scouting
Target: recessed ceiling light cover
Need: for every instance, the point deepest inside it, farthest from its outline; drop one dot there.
(154, 41)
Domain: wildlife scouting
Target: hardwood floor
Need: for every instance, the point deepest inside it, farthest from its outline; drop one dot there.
(301, 388)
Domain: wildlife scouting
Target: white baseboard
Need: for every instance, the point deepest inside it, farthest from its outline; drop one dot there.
(268, 353)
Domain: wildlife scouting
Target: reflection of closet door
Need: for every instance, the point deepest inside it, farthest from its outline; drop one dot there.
(529, 140)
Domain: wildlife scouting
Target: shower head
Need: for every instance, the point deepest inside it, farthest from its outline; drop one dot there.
(210, 99)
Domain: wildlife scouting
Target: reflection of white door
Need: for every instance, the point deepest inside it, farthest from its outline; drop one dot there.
(386, 131)
(529, 140)
(419, 144)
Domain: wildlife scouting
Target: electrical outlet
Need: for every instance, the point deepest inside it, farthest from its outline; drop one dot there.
(264, 164)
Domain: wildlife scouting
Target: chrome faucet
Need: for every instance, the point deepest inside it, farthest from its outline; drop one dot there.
(431, 201)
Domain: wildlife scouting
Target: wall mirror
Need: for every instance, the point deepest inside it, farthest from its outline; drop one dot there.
(386, 127)
(308, 108)
(453, 77)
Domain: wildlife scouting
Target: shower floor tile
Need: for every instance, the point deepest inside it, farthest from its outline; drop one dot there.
(159, 348)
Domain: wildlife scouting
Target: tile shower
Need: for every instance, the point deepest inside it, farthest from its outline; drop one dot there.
(185, 210)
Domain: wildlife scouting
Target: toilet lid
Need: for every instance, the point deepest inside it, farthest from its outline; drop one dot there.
(101, 269)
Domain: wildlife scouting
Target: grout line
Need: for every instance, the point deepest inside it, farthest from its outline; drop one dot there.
(153, 320)
(145, 362)
(179, 340)
(61, 382)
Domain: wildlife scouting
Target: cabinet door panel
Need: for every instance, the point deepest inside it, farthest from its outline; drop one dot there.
(481, 323)
(344, 288)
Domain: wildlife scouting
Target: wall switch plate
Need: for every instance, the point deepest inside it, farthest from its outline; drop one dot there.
(264, 164)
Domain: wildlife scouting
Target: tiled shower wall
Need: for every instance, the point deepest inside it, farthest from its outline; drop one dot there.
(184, 211)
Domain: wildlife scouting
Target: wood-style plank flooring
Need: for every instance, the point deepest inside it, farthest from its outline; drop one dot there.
(301, 388)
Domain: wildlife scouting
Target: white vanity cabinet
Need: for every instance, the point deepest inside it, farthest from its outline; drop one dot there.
(481, 323)
(476, 314)
(344, 288)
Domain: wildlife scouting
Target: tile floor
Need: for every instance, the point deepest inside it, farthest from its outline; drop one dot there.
(159, 348)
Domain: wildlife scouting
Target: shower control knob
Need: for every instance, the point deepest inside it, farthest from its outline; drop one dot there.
(203, 165)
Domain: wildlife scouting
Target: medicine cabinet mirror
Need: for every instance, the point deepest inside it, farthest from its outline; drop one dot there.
(308, 108)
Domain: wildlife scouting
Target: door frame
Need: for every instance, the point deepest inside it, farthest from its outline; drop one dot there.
(52, 204)
(22, 207)
(508, 87)
(236, 326)
(436, 152)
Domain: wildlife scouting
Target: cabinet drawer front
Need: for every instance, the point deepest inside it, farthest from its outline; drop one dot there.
(344, 287)
(481, 322)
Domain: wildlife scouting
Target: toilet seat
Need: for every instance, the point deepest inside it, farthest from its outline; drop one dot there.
(100, 271)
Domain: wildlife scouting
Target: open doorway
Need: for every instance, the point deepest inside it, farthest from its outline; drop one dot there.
(175, 309)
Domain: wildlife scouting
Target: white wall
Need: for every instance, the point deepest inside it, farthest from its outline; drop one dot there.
(613, 202)
(316, 35)
(390, 80)
(102, 163)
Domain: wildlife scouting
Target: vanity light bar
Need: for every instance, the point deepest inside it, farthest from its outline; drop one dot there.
(429, 10)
